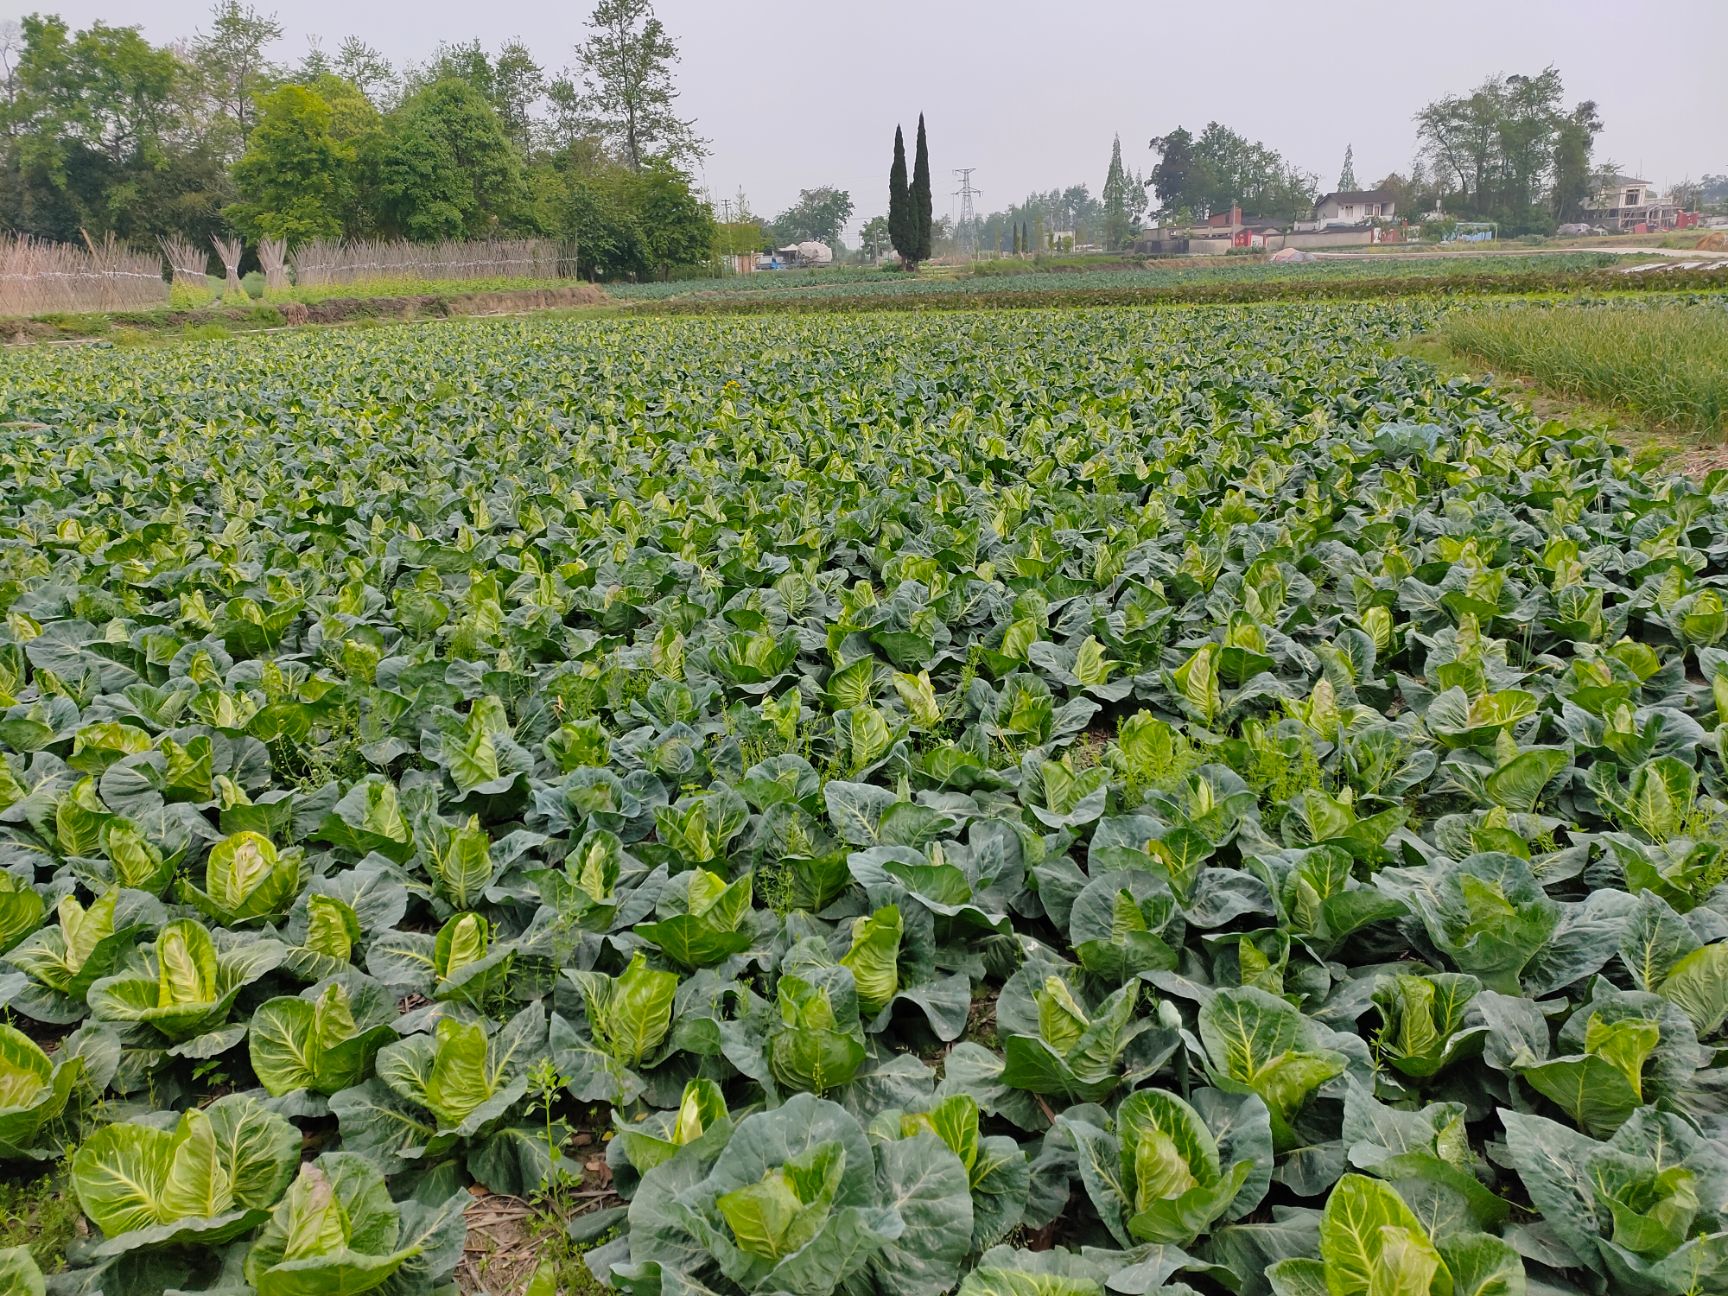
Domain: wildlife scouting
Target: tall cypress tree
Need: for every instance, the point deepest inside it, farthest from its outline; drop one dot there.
(920, 195)
(902, 233)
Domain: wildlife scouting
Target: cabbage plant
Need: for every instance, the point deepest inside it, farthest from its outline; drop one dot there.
(815, 1039)
(1373, 1244)
(1642, 1211)
(324, 1040)
(21, 911)
(34, 1093)
(246, 880)
(208, 1179)
(1425, 1022)
(187, 984)
(1260, 1044)
(1162, 1177)
(1056, 1043)
(793, 1204)
(702, 919)
(61, 962)
(20, 1273)
(460, 1074)
(336, 1230)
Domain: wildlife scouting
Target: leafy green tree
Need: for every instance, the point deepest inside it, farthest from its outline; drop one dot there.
(677, 227)
(597, 217)
(819, 213)
(1509, 151)
(296, 177)
(1220, 168)
(511, 82)
(902, 228)
(91, 134)
(1122, 195)
(364, 68)
(874, 237)
(1572, 148)
(627, 92)
(921, 199)
(444, 167)
(1174, 178)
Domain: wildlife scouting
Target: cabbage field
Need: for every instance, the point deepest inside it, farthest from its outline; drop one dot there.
(1037, 803)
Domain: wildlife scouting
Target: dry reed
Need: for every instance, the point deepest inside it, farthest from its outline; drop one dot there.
(38, 277)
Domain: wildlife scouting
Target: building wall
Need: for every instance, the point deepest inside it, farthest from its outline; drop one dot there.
(1325, 239)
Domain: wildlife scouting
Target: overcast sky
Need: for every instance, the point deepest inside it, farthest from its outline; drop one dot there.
(1029, 92)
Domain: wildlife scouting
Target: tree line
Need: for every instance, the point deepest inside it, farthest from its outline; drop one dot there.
(102, 132)
(1510, 151)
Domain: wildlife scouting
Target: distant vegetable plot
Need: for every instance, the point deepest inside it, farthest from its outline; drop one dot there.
(1667, 362)
(1029, 803)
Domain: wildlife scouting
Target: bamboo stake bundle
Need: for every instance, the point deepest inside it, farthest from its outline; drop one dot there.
(324, 262)
(38, 277)
(188, 268)
(230, 250)
(273, 256)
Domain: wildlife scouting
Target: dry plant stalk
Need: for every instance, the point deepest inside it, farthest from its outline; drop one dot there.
(230, 250)
(273, 256)
(323, 262)
(38, 277)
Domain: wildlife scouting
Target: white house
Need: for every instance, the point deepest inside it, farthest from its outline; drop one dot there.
(1355, 207)
(1628, 203)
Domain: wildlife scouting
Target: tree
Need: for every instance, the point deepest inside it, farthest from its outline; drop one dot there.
(1347, 176)
(820, 214)
(295, 178)
(902, 228)
(1173, 177)
(921, 198)
(365, 69)
(627, 95)
(1121, 202)
(444, 166)
(677, 228)
(510, 83)
(874, 237)
(1573, 144)
(1508, 151)
(230, 61)
(1229, 169)
(93, 140)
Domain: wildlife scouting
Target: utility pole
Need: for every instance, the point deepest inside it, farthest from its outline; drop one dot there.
(966, 232)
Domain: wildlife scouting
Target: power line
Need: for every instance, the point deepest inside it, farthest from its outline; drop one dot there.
(966, 232)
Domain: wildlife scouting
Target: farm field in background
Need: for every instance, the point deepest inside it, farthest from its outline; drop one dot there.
(1030, 276)
(1032, 802)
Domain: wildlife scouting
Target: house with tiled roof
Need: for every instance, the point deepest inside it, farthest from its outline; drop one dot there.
(1355, 207)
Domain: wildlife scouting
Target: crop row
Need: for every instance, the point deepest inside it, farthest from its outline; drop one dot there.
(1031, 802)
